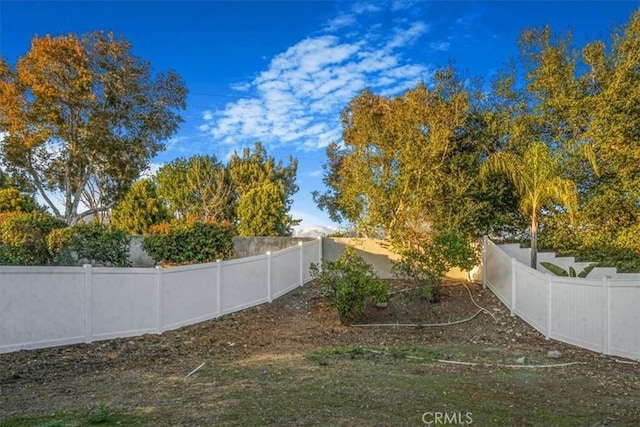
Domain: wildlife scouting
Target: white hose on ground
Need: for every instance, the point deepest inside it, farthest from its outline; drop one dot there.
(428, 325)
(485, 365)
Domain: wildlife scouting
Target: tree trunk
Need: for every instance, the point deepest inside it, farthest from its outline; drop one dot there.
(534, 242)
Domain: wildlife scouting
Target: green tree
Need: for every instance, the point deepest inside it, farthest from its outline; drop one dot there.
(197, 188)
(409, 164)
(252, 173)
(536, 177)
(140, 209)
(82, 116)
(261, 211)
(582, 102)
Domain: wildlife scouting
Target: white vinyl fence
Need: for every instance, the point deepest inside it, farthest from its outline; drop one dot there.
(52, 306)
(602, 314)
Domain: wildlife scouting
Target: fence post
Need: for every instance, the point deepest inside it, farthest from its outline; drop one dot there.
(547, 334)
(301, 264)
(513, 286)
(219, 289)
(269, 292)
(485, 241)
(88, 304)
(160, 299)
(607, 324)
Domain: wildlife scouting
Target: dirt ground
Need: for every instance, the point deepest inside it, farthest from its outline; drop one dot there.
(132, 374)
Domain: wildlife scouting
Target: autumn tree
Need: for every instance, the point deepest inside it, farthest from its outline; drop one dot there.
(198, 188)
(408, 164)
(82, 116)
(256, 175)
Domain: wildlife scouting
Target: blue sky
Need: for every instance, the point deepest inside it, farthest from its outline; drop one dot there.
(281, 72)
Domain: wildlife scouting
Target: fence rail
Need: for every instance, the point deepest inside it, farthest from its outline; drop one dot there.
(602, 315)
(52, 306)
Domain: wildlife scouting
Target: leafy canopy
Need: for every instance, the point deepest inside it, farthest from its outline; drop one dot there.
(140, 209)
(256, 176)
(82, 117)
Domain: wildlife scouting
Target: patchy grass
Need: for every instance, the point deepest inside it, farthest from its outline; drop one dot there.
(98, 417)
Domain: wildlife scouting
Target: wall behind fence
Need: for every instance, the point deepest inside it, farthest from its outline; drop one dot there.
(601, 314)
(51, 306)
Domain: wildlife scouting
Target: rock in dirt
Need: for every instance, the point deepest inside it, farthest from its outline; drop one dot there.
(522, 360)
(554, 354)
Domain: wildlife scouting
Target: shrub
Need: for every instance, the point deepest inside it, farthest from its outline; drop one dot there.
(184, 242)
(91, 243)
(140, 209)
(352, 284)
(23, 237)
(13, 200)
(427, 264)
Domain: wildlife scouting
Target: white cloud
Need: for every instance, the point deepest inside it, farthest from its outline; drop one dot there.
(241, 87)
(300, 95)
(441, 46)
(407, 36)
(151, 170)
(402, 4)
(362, 7)
(339, 22)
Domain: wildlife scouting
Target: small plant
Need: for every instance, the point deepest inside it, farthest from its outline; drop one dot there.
(100, 417)
(352, 284)
(427, 264)
(559, 271)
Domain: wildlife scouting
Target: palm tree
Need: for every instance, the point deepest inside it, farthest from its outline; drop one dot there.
(536, 177)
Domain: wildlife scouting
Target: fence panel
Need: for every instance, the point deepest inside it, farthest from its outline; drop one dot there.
(624, 318)
(598, 314)
(498, 273)
(244, 283)
(49, 306)
(577, 312)
(189, 295)
(311, 252)
(124, 302)
(531, 291)
(285, 271)
(41, 307)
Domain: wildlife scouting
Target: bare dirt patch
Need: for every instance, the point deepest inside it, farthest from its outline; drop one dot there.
(251, 356)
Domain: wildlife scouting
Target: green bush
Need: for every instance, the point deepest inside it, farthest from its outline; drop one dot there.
(140, 209)
(23, 238)
(427, 264)
(91, 243)
(182, 242)
(13, 200)
(352, 284)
